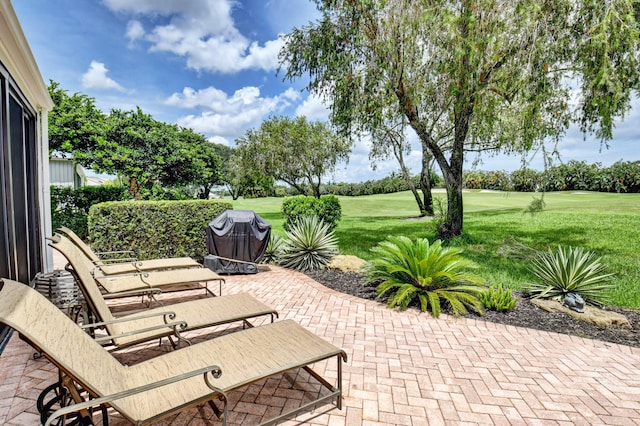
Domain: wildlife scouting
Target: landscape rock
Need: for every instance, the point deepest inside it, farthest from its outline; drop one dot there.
(598, 317)
(346, 263)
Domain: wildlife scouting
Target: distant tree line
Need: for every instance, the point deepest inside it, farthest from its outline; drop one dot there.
(621, 177)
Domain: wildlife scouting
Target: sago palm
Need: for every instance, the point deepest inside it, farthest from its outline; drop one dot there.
(569, 270)
(429, 273)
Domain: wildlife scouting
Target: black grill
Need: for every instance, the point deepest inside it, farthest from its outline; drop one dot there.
(236, 241)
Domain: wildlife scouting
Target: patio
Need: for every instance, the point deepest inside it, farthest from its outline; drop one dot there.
(403, 368)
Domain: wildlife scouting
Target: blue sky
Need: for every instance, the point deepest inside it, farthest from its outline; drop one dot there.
(211, 65)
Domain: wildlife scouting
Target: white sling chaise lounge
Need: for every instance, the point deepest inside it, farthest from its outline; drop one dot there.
(165, 321)
(152, 389)
(116, 285)
(117, 266)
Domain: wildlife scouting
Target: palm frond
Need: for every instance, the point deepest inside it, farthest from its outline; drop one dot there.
(415, 269)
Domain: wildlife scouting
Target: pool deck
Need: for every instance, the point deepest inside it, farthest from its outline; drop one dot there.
(404, 368)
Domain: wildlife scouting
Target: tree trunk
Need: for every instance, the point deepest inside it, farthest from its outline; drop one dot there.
(452, 227)
(204, 193)
(414, 191)
(425, 182)
(316, 189)
(407, 178)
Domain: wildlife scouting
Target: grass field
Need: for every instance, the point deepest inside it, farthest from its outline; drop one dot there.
(607, 224)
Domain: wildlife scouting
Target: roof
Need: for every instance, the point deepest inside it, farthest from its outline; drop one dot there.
(16, 56)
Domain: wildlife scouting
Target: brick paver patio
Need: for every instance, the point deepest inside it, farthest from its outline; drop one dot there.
(404, 368)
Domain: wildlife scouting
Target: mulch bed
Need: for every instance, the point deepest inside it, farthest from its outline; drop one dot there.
(524, 315)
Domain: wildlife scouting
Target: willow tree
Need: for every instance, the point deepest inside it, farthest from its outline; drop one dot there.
(470, 75)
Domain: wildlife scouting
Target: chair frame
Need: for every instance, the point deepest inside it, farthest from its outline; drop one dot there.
(242, 358)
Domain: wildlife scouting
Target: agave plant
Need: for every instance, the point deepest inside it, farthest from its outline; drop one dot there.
(275, 249)
(430, 273)
(310, 245)
(569, 270)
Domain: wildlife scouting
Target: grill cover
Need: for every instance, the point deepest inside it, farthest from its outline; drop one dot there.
(239, 235)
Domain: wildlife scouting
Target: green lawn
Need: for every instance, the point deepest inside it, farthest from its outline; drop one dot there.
(607, 224)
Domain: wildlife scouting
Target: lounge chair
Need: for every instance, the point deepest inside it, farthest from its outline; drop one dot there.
(152, 389)
(165, 321)
(143, 282)
(115, 266)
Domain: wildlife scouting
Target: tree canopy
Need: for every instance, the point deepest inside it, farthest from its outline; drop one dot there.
(470, 75)
(131, 144)
(75, 123)
(292, 150)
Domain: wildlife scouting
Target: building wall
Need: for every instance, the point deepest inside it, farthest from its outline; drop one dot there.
(64, 172)
(25, 213)
(24, 79)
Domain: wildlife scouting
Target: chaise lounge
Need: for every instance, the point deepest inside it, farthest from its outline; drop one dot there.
(165, 321)
(116, 266)
(152, 389)
(142, 282)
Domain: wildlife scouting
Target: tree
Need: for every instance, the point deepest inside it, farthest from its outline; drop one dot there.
(146, 150)
(75, 123)
(245, 180)
(212, 169)
(294, 151)
(389, 140)
(470, 75)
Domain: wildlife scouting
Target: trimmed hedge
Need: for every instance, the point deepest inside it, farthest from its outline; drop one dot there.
(326, 208)
(154, 229)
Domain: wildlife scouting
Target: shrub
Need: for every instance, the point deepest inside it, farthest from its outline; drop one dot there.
(154, 229)
(70, 207)
(430, 273)
(526, 180)
(498, 299)
(497, 181)
(572, 176)
(310, 245)
(569, 270)
(275, 249)
(622, 177)
(326, 208)
(475, 180)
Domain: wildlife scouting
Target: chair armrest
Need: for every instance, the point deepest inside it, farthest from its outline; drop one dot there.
(173, 326)
(215, 371)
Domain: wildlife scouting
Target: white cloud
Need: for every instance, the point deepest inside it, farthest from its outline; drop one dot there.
(313, 108)
(203, 32)
(209, 97)
(96, 78)
(219, 140)
(135, 31)
(228, 116)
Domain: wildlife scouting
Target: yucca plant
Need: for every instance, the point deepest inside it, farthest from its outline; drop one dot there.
(275, 249)
(569, 270)
(310, 245)
(429, 273)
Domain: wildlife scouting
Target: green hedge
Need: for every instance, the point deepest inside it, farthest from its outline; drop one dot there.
(154, 229)
(326, 208)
